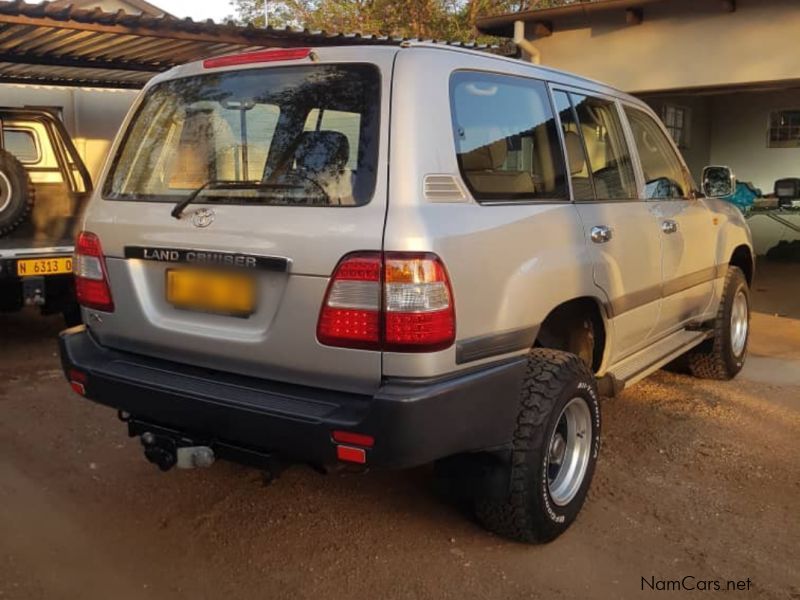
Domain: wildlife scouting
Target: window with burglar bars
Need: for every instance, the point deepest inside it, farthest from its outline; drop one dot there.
(676, 119)
(784, 129)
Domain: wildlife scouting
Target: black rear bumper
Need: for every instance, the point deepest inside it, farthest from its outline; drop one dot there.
(413, 422)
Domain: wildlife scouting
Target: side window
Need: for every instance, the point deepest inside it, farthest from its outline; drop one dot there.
(22, 144)
(608, 155)
(577, 162)
(664, 175)
(506, 137)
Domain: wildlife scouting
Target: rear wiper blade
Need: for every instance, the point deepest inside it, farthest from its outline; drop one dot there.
(221, 184)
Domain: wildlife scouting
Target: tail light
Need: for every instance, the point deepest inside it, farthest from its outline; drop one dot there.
(91, 276)
(395, 301)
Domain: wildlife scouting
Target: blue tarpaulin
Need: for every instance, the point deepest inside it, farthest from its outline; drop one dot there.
(745, 196)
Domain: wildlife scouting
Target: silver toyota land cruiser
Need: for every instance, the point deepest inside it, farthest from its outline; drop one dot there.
(392, 256)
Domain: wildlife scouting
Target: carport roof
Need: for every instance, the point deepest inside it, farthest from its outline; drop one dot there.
(60, 44)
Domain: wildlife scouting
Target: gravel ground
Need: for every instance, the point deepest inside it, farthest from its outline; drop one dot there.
(695, 478)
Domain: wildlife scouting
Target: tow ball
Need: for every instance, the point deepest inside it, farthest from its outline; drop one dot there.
(165, 453)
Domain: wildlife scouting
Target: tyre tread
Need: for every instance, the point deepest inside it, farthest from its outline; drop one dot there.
(9, 159)
(707, 361)
(548, 372)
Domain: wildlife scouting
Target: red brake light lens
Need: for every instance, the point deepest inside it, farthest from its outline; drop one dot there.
(91, 277)
(396, 301)
(418, 303)
(259, 56)
(350, 314)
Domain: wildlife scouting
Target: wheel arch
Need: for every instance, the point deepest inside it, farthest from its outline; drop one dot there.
(742, 257)
(571, 325)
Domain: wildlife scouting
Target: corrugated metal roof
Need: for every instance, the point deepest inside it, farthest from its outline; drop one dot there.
(54, 43)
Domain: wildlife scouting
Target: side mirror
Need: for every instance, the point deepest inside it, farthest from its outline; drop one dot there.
(718, 182)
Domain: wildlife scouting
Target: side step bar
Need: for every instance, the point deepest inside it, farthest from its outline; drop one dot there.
(638, 366)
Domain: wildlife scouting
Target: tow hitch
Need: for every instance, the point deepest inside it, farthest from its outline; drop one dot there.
(164, 452)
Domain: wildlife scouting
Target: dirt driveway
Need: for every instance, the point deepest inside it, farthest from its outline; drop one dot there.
(696, 479)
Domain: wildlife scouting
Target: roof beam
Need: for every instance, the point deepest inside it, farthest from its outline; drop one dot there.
(110, 84)
(80, 63)
(542, 29)
(634, 16)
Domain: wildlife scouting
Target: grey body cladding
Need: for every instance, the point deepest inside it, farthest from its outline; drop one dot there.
(628, 302)
(209, 258)
(495, 344)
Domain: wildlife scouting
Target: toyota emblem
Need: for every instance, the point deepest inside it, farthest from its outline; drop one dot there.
(203, 217)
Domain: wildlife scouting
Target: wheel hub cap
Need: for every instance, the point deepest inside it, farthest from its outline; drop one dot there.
(739, 323)
(569, 451)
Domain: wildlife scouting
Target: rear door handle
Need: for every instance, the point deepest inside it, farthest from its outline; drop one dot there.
(601, 234)
(669, 226)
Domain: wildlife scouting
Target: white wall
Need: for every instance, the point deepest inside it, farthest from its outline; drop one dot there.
(92, 116)
(739, 136)
(681, 44)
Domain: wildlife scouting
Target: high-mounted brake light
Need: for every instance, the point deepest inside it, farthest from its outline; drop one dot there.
(91, 277)
(259, 56)
(396, 301)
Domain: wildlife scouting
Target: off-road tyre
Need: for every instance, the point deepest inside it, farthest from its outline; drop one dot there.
(16, 193)
(715, 358)
(527, 512)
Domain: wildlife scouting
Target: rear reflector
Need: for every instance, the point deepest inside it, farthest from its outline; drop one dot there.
(356, 439)
(77, 379)
(353, 455)
(91, 277)
(259, 56)
(399, 301)
(79, 376)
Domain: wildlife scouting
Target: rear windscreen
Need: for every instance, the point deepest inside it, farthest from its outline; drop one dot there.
(289, 135)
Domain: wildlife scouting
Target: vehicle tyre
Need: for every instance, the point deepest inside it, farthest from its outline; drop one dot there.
(723, 356)
(16, 193)
(554, 451)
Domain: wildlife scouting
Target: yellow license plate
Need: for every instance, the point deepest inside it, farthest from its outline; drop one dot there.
(44, 266)
(212, 291)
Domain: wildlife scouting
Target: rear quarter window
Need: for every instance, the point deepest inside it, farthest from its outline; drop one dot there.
(506, 138)
(22, 144)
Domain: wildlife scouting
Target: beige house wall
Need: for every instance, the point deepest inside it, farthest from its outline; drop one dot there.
(731, 129)
(739, 136)
(681, 44)
(92, 116)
